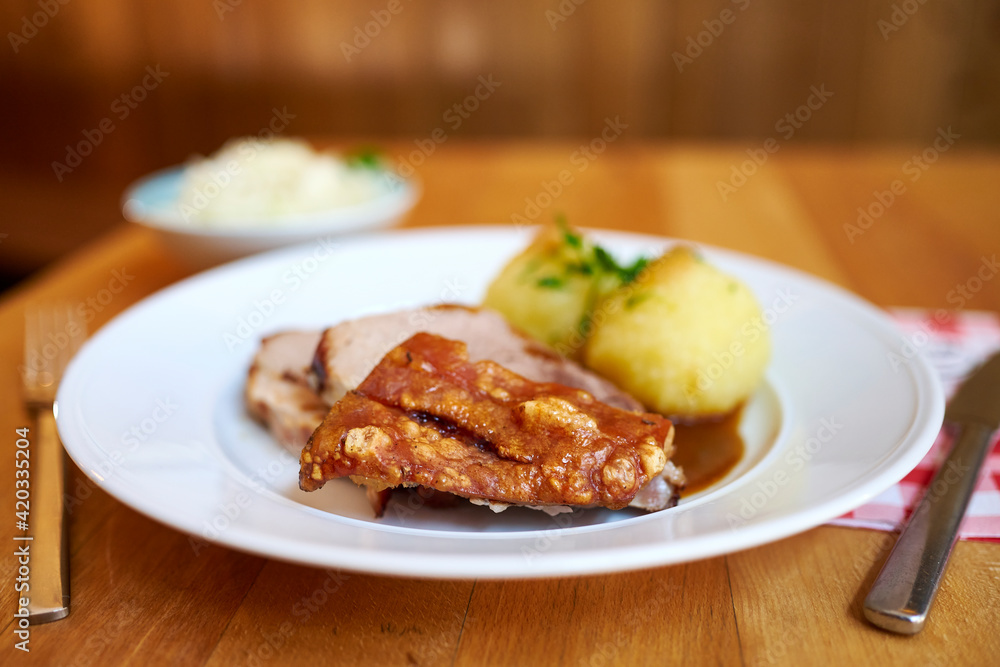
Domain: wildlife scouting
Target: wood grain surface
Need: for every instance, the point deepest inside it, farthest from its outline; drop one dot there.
(143, 596)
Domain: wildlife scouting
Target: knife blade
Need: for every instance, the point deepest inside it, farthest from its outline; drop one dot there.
(904, 590)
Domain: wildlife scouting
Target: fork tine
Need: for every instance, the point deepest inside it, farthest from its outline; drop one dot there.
(47, 326)
(35, 362)
(61, 321)
(28, 372)
(59, 327)
(46, 360)
(52, 336)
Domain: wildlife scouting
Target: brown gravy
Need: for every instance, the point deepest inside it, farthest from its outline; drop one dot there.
(708, 450)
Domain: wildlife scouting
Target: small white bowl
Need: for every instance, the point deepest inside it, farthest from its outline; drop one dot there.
(152, 202)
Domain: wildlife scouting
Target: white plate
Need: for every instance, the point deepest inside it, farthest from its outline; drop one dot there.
(150, 409)
(153, 201)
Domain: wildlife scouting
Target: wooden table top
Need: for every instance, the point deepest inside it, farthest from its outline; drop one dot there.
(142, 596)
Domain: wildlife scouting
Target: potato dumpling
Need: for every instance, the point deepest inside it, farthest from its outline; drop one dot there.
(551, 287)
(684, 338)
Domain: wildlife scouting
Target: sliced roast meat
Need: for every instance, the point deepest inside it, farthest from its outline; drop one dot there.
(281, 389)
(278, 391)
(349, 351)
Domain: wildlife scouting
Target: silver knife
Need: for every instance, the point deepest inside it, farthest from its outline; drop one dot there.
(904, 590)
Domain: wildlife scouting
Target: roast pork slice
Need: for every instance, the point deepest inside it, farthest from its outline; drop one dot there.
(349, 351)
(278, 391)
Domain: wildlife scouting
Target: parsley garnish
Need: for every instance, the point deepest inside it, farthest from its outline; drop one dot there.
(571, 238)
(630, 273)
(580, 257)
(365, 158)
(625, 274)
(605, 259)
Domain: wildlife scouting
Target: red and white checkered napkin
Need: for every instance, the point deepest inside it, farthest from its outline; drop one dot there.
(954, 342)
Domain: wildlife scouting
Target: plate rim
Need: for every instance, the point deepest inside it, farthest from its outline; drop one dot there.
(929, 405)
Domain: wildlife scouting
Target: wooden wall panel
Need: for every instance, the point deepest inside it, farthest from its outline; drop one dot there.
(910, 81)
(561, 75)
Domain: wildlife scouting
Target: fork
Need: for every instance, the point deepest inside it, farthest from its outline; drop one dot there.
(51, 338)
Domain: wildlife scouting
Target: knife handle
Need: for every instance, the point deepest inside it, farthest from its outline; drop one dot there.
(904, 590)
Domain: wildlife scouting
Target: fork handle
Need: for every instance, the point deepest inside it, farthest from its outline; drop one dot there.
(904, 590)
(49, 578)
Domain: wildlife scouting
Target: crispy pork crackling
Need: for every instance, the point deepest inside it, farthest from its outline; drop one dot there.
(427, 415)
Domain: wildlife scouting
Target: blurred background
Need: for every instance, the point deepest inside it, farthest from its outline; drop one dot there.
(99, 92)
